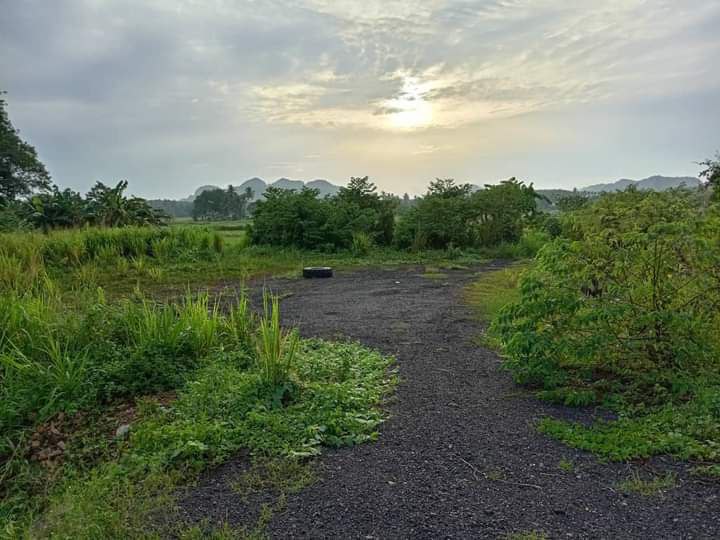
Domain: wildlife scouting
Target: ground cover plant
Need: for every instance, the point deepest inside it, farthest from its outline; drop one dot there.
(107, 405)
(623, 310)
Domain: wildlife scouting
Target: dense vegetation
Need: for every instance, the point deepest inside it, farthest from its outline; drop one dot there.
(357, 216)
(623, 309)
(28, 199)
(448, 216)
(74, 365)
(219, 204)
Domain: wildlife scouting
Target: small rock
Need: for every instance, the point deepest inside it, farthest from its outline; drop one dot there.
(122, 431)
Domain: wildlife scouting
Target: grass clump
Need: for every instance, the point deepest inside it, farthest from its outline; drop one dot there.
(493, 290)
(647, 487)
(275, 347)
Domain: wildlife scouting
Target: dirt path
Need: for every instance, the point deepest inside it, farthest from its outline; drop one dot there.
(459, 457)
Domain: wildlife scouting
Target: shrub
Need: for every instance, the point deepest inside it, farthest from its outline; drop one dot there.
(361, 244)
(633, 301)
(291, 218)
(301, 219)
(455, 214)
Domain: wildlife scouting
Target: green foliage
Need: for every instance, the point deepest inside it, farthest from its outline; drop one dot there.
(624, 312)
(301, 219)
(103, 206)
(711, 173)
(292, 218)
(452, 214)
(572, 202)
(109, 207)
(689, 430)
(222, 409)
(648, 487)
(55, 210)
(634, 297)
(24, 257)
(361, 244)
(219, 204)
(494, 290)
(240, 383)
(275, 348)
(21, 172)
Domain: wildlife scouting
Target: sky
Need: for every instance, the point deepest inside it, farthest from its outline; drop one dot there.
(174, 94)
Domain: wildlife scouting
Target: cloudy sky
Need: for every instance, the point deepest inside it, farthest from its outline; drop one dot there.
(173, 94)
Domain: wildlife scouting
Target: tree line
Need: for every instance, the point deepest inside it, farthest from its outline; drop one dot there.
(449, 214)
(28, 196)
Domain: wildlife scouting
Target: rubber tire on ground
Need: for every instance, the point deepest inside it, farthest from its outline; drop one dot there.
(317, 272)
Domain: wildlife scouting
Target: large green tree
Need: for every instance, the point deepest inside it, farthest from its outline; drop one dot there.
(21, 172)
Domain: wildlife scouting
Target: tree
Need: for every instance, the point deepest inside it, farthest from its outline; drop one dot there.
(712, 174)
(21, 172)
(358, 208)
(214, 204)
(293, 218)
(109, 207)
(56, 209)
(504, 209)
(572, 202)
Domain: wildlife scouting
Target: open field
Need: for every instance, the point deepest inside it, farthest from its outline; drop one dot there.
(180, 382)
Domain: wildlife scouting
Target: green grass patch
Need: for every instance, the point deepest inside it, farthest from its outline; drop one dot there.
(333, 399)
(687, 431)
(494, 289)
(647, 487)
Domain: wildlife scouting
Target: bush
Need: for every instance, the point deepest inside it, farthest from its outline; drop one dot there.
(361, 244)
(292, 218)
(452, 214)
(300, 219)
(631, 303)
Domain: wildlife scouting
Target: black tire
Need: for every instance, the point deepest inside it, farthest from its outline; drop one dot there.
(317, 272)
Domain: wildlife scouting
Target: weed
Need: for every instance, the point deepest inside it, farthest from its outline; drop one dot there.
(275, 347)
(648, 487)
(361, 244)
(281, 476)
(566, 465)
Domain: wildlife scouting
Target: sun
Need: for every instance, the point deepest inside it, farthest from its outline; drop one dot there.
(409, 110)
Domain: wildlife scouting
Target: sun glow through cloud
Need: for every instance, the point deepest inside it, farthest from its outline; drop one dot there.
(561, 93)
(410, 109)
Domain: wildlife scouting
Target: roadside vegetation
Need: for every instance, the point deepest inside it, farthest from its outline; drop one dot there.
(107, 406)
(622, 310)
(131, 358)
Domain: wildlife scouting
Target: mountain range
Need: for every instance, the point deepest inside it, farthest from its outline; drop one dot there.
(654, 183)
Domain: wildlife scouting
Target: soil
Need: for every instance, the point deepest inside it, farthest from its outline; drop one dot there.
(459, 456)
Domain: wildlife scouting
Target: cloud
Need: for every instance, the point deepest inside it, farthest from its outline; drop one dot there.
(149, 88)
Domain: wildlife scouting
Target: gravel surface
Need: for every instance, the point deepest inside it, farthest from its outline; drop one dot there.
(458, 457)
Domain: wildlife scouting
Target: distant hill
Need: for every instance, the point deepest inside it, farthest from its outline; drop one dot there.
(257, 185)
(654, 183)
(323, 186)
(199, 190)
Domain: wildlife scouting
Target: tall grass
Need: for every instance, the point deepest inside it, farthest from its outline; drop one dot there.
(30, 253)
(275, 347)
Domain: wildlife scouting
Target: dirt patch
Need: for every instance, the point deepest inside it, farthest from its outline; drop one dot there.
(459, 456)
